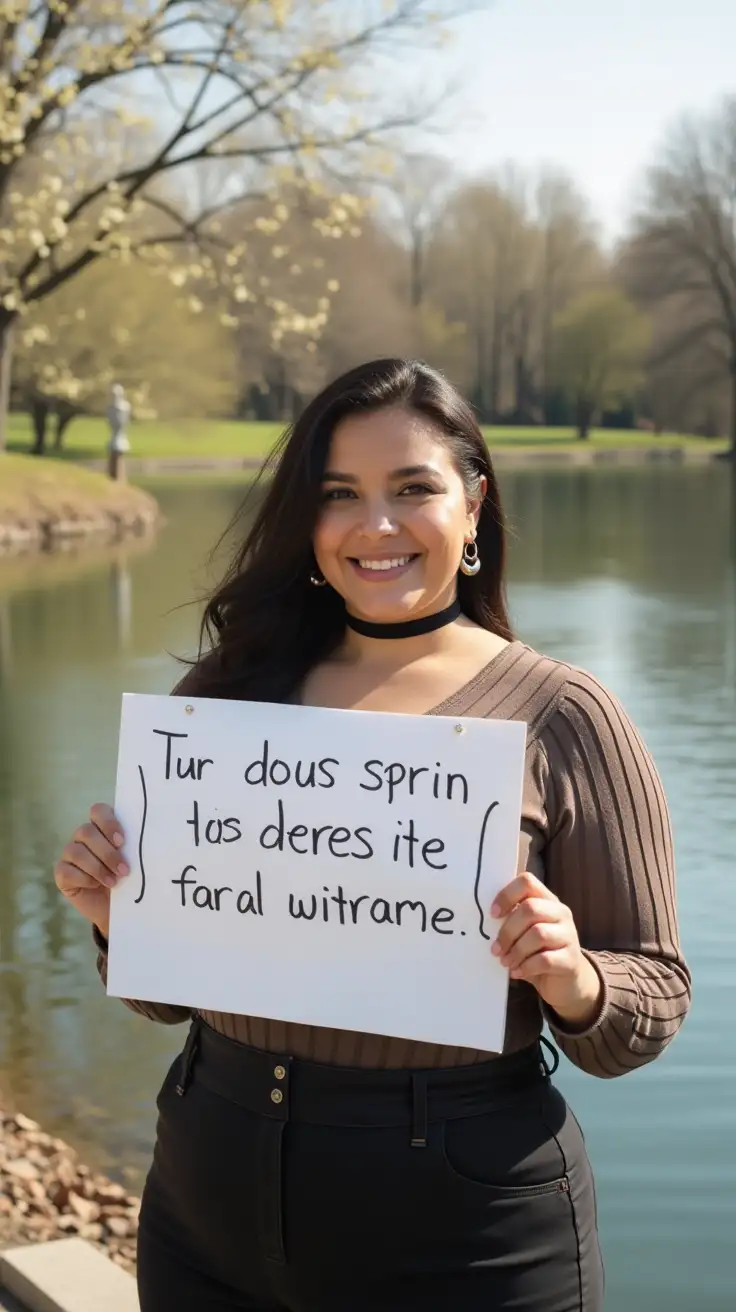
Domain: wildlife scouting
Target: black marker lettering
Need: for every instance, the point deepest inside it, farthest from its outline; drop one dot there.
(338, 835)
(411, 840)
(433, 847)
(381, 905)
(395, 776)
(218, 894)
(450, 781)
(370, 788)
(339, 898)
(245, 902)
(363, 856)
(261, 764)
(300, 913)
(415, 770)
(168, 737)
(183, 882)
(479, 871)
(329, 776)
(316, 835)
(309, 781)
(443, 915)
(233, 824)
(298, 831)
(412, 907)
(286, 776)
(278, 830)
(194, 822)
(213, 827)
(354, 904)
(192, 771)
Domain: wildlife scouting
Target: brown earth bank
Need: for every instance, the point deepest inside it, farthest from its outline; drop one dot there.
(47, 503)
(47, 1193)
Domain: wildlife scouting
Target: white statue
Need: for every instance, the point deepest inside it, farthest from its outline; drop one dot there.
(118, 414)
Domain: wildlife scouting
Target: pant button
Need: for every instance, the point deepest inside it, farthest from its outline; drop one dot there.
(277, 1095)
(280, 1072)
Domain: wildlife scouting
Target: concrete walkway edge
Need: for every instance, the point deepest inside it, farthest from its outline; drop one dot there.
(66, 1275)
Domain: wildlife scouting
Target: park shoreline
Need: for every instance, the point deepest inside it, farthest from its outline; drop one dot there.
(53, 505)
(47, 505)
(539, 456)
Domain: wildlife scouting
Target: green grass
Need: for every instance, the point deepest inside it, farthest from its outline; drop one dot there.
(32, 490)
(86, 439)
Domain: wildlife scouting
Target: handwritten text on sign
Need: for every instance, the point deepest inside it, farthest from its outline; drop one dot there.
(333, 868)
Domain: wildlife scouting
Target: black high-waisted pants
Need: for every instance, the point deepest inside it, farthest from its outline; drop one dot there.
(279, 1185)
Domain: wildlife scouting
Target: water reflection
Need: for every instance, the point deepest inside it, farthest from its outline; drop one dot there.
(630, 573)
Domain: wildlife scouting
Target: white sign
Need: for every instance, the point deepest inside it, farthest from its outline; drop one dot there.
(333, 868)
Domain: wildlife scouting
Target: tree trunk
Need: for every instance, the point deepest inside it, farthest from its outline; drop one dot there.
(64, 416)
(6, 369)
(732, 423)
(583, 417)
(416, 290)
(495, 362)
(479, 389)
(40, 416)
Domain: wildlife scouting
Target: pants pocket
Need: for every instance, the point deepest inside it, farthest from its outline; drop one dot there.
(516, 1153)
(519, 1193)
(478, 1170)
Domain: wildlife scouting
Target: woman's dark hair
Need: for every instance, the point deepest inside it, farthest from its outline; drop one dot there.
(265, 626)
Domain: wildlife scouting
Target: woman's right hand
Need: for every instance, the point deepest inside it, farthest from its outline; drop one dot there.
(91, 864)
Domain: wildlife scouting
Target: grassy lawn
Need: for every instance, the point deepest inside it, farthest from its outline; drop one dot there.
(32, 490)
(86, 438)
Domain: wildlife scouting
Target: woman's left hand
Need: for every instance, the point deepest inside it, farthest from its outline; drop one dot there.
(538, 942)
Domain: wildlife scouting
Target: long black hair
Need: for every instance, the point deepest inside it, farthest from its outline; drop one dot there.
(265, 626)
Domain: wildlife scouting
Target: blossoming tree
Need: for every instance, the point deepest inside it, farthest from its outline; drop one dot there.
(127, 128)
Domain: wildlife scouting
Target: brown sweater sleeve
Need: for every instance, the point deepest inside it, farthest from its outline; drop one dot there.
(165, 1012)
(609, 858)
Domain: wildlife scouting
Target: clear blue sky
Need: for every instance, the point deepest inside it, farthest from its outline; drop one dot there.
(590, 85)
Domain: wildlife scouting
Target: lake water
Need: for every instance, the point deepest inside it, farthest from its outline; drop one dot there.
(629, 573)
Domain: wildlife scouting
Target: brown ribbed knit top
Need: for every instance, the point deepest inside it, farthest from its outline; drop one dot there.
(595, 828)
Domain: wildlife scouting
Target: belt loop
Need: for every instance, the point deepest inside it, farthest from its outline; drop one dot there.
(187, 1058)
(548, 1070)
(419, 1110)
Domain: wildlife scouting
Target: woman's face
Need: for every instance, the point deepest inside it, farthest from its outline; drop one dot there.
(395, 517)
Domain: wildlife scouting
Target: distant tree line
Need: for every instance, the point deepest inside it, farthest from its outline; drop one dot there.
(232, 260)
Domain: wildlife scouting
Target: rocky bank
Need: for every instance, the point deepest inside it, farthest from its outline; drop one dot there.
(47, 1193)
(45, 503)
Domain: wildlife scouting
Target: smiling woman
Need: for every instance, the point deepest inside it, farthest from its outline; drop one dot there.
(383, 485)
(388, 539)
(368, 1170)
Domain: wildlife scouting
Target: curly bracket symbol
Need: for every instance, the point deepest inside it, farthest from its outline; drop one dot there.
(476, 889)
(140, 839)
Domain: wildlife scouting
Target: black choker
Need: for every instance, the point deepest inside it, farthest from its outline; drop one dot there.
(406, 628)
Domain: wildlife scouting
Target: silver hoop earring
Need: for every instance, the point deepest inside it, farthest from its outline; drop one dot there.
(470, 562)
(316, 579)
